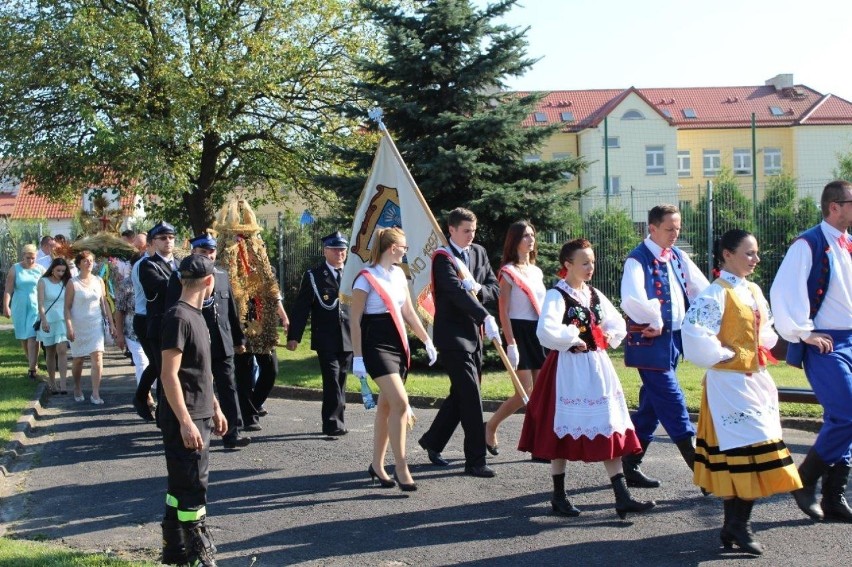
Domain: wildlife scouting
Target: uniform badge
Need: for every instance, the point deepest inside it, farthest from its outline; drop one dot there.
(325, 297)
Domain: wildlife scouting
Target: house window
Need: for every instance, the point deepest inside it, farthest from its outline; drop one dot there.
(655, 160)
(666, 112)
(567, 175)
(566, 116)
(742, 162)
(632, 115)
(612, 142)
(776, 111)
(771, 161)
(614, 185)
(712, 162)
(532, 158)
(540, 117)
(689, 113)
(684, 164)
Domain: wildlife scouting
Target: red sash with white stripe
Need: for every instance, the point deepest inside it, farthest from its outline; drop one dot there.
(395, 313)
(518, 280)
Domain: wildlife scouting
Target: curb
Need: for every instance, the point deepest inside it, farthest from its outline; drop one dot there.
(18, 440)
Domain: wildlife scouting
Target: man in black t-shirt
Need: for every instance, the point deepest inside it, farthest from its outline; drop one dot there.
(188, 418)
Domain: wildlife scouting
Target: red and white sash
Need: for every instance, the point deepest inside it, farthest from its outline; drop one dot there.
(393, 309)
(513, 274)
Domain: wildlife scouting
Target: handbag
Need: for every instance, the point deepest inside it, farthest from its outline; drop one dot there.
(37, 324)
(109, 340)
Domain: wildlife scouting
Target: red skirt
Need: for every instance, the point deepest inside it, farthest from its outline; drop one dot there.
(538, 438)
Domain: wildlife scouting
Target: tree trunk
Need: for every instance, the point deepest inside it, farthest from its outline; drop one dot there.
(199, 203)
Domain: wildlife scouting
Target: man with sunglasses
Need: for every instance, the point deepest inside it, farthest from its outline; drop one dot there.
(812, 302)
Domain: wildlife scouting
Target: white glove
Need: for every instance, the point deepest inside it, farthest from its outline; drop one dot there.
(431, 352)
(470, 284)
(491, 329)
(513, 355)
(358, 368)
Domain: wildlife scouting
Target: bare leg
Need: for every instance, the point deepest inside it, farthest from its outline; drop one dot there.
(97, 369)
(380, 437)
(510, 406)
(50, 356)
(32, 353)
(392, 388)
(613, 467)
(62, 364)
(557, 466)
(77, 374)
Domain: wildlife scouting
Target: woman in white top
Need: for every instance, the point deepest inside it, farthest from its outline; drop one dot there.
(52, 333)
(739, 453)
(521, 295)
(577, 411)
(85, 313)
(380, 303)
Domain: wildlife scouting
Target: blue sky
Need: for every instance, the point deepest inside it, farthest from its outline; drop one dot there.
(588, 44)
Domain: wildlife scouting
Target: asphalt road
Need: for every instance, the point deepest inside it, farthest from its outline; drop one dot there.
(94, 479)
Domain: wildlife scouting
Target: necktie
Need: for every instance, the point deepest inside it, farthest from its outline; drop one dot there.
(337, 275)
(466, 258)
(666, 254)
(844, 242)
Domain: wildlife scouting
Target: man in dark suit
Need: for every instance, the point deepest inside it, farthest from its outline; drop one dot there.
(460, 271)
(329, 329)
(226, 338)
(154, 273)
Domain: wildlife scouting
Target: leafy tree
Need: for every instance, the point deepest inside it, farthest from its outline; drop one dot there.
(844, 167)
(189, 100)
(613, 237)
(439, 86)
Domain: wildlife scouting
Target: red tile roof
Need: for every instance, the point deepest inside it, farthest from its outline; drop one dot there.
(28, 205)
(714, 107)
(7, 204)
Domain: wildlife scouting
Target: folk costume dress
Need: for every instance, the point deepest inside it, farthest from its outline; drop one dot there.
(525, 301)
(577, 410)
(739, 453)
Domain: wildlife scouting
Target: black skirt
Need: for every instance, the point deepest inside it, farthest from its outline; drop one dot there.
(531, 352)
(381, 346)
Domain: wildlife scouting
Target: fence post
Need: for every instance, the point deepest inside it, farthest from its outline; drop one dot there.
(709, 228)
(281, 253)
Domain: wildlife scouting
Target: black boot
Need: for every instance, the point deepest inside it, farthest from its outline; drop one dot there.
(559, 503)
(199, 544)
(687, 451)
(810, 470)
(738, 527)
(725, 535)
(624, 502)
(174, 548)
(834, 503)
(635, 477)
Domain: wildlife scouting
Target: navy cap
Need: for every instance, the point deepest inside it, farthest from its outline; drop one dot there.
(161, 227)
(335, 240)
(195, 266)
(203, 241)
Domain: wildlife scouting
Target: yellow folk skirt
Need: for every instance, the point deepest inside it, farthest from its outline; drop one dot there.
(749, 472)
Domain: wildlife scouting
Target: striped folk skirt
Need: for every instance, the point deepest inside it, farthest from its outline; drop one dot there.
(750, 472)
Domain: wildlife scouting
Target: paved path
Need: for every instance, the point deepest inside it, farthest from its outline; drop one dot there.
(96, 481)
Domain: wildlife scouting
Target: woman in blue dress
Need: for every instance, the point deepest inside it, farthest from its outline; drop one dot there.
(21, 304)
(51, 311)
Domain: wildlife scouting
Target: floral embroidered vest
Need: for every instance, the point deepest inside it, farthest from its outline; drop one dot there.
(586, 319)
(740, 331)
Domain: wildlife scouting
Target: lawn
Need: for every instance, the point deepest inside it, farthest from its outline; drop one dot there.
(300, 368)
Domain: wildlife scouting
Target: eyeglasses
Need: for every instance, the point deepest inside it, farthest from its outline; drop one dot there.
(403, 248)
(843, 202)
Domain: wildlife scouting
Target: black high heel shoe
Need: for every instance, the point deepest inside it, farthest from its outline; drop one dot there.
(493, 449)
(404, 487)
(383, 482)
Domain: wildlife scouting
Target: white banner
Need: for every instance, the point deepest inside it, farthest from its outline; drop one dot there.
(391, 198)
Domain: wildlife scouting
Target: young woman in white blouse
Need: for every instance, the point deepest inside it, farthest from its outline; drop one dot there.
(739, 453)
(381, 305)
(519, 304)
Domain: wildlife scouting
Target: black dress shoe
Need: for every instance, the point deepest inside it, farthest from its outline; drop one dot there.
(338, 432)
(262, 411)
(253, 427)
(434, 456)
(142, 408)
(483, 471)
(235, 441)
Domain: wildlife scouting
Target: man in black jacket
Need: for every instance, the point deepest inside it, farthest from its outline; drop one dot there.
(154, 273)
(226, 338)
(329, 329)
(460, 271)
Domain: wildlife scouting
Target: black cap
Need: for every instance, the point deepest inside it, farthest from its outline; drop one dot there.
(203, 241)
(195, 266)
(161, 227)
(335, 240)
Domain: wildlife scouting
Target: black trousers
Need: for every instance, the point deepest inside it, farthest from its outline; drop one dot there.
(463, 405)
(251, 395)
(334, 366)
(187, 469)
(155, 357)
(226, 391)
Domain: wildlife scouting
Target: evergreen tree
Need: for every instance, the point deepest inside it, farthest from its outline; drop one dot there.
(439, 85)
